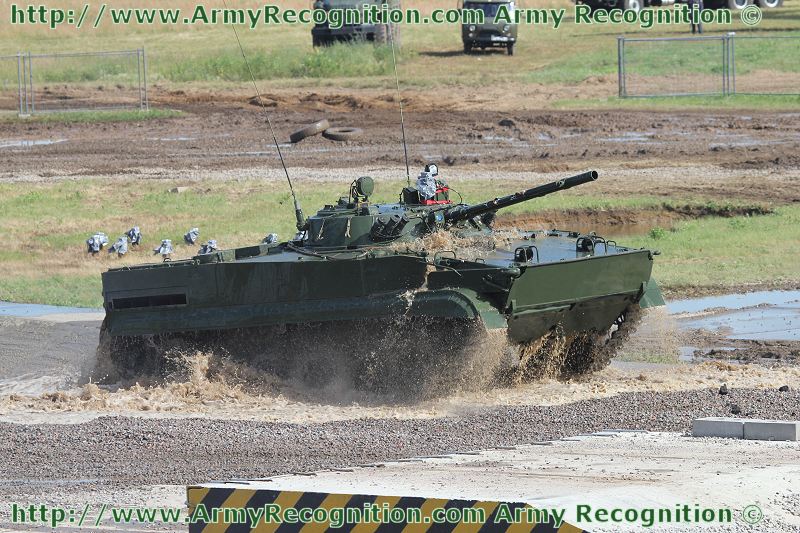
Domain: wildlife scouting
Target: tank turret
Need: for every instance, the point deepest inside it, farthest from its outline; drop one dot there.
(355, 222)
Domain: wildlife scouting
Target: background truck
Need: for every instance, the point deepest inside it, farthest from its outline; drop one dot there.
(638, 5)
(324, 35)
(489, 34)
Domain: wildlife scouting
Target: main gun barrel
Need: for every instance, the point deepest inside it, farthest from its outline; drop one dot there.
(467, 212)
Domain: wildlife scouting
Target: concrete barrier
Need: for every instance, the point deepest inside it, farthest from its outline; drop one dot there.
(771, 430)
(742, 428)
(731, 428)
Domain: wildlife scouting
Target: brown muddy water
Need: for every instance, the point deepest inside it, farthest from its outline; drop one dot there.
(761, 327)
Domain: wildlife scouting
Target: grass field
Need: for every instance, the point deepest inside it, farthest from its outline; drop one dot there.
(431, 54)
(79, 117)
(43, 229)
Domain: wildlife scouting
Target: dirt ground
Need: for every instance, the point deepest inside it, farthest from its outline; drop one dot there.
(717, 155)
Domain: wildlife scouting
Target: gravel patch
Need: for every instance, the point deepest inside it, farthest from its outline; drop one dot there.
(113, 451)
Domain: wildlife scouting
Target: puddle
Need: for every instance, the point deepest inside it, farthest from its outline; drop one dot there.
(780, 323)
(737, 140)
(754, 316)
(28, 144)
(734, 301)
(631, 136)
(173, 139)
(38, 310)
(750, 142)
(510, 140)
(687, 354)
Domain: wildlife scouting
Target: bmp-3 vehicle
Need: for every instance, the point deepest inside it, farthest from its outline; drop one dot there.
(357, 269)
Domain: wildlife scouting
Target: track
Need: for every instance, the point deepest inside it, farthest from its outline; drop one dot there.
(407, 359)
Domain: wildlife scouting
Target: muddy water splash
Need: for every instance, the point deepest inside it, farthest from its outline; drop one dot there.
(403, 359)
(215, 384)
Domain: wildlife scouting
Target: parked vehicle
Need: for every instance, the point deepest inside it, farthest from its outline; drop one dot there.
(324, 35)
(489, 34)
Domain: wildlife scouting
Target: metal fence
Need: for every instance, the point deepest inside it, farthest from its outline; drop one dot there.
(709, 65)
(42, 83)
(10, 83)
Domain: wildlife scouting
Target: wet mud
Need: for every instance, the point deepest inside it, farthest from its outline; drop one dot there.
(757, 327)
(220, 133)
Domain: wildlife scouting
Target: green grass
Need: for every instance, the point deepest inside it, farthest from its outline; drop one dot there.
(716, 252)
(117, 115)
(340, 60)
(43, 228)
(431, 54)
(71, 291)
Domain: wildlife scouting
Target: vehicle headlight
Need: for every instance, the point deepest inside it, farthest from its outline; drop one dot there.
(472, 28)
(506, 28)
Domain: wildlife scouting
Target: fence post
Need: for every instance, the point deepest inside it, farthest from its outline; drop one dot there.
(139, 74)
(144, 72)
(19, 83)
(30, 83)
(26, 108)
(621, 66)
(724, 65)
(732, 62)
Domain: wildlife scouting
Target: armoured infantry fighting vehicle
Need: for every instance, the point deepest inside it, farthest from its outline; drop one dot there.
(363, 278)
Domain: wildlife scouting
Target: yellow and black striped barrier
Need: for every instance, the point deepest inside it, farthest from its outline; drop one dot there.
(236, 509)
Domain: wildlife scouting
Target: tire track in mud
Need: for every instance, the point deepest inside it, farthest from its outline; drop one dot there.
(228, 135)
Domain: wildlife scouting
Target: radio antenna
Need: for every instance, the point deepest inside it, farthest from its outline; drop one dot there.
(298, 211)
(390, 30)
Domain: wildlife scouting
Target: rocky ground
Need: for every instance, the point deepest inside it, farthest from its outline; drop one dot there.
(117, 451)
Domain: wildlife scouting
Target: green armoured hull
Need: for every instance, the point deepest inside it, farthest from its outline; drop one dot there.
(279, 286)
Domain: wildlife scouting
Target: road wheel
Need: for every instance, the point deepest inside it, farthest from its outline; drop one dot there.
(738, 5)
(467, 48)
(770, 4)
(632, 5)
(342, 134)
(381, 34)
(510, 49)
(395, 29)
(321, 40)
(309, 131)
(385, 31)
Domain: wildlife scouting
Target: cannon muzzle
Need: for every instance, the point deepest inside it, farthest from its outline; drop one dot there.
(465, 212)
